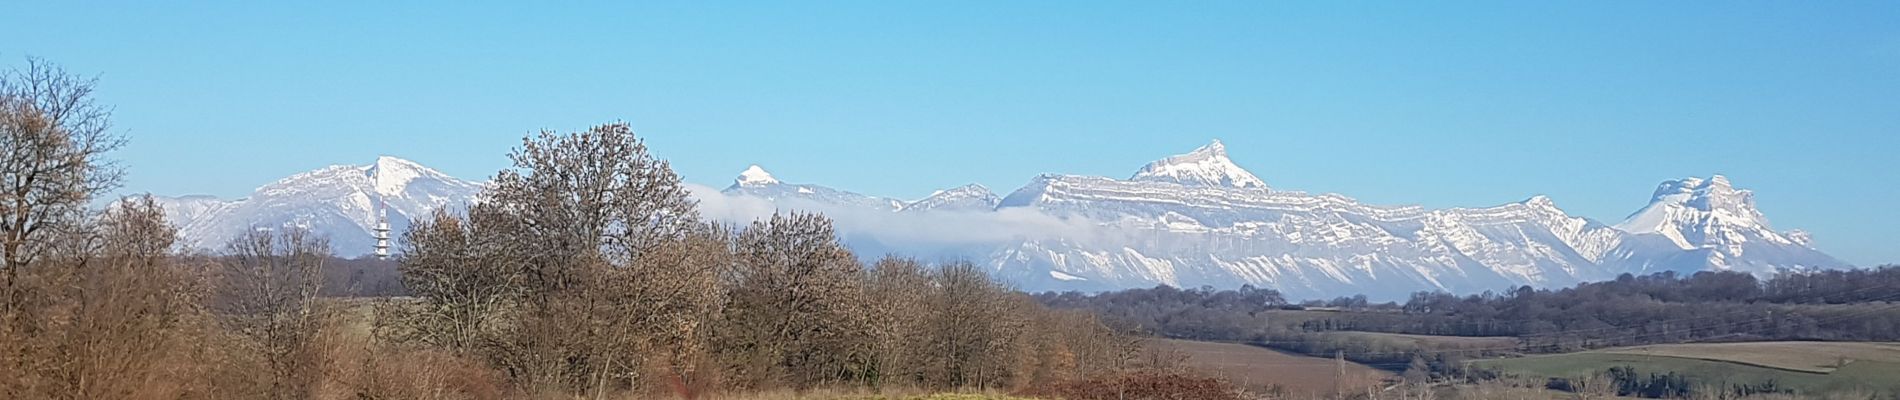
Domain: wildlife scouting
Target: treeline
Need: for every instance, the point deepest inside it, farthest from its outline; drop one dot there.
(1666, 308)
(1202, 313)
(1631, 310)
(1262, 317)
(585, 271)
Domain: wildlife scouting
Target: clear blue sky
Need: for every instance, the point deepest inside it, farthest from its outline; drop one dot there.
(1433, 103)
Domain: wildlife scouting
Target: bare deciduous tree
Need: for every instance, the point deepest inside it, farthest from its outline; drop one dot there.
(583, 266)
(898, 289)
(53, 139)
(464, 280)
(88, 308)
(267, 298)
(592, 194)
(796, 312)
(972, 329)
(109, 318)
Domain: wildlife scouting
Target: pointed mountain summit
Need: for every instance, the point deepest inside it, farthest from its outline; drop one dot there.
(1205, 166)
(755, 181)
(754, 176)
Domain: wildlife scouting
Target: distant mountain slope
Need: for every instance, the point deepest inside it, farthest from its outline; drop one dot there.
(1713, 224)
(338, 201)
(1205, 166)
(755, 182)
(971, 197)
(1188, 220)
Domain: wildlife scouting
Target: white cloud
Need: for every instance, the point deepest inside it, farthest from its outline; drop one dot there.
(907, 230)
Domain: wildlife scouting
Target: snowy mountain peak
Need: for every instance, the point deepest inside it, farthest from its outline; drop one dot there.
(1721, 222)
(755, 182)
(1540, 201)
(1713, 195)
(1213, 147)
(754, 176)
(1690, 185)
(391, 175)
(1205, 166)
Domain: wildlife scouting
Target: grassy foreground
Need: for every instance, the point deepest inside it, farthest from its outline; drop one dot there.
(1266, 370)
(835, 396)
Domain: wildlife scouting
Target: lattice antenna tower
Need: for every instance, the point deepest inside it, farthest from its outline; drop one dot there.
(382, 228)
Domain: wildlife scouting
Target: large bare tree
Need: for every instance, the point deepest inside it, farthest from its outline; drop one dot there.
(96, 294)
(591, 194)
(584, 266)
(796, 313)
(465, 278)
(53, 139)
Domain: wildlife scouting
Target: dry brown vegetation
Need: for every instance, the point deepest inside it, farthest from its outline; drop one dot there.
(1142, 385)
(1263, 370)
(584, 273)
(587, 271)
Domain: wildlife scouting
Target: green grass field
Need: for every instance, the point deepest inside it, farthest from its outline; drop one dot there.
(1713, 365)
(1817, 357)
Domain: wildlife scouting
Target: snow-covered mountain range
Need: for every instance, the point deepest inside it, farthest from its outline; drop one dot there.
(1188, 220)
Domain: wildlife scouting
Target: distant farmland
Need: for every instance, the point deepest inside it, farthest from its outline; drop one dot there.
(1265, 370)
(1808, 367)
(1814, 357)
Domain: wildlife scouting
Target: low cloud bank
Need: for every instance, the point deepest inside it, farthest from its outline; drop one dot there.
(908, 230)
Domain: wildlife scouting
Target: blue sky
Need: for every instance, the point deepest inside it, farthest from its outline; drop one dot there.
(1432, 103)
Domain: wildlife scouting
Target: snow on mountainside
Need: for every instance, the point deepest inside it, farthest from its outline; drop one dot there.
(971, 197)
(1188, 220)
(1719, 226)
(754, 181)
(1300, 243)
(1199, 219)
(1205, 166)
(180, 210)
(338, 201)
